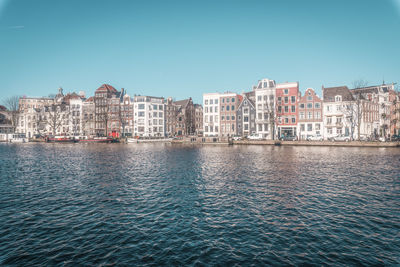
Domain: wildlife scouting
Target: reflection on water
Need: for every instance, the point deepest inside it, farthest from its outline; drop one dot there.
(161, 204)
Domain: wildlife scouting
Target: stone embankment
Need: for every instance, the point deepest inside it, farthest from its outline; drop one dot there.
(226, 141)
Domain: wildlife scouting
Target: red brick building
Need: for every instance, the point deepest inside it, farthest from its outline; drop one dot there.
(286, 105)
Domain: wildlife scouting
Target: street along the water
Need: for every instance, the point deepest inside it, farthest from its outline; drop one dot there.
(166, 204)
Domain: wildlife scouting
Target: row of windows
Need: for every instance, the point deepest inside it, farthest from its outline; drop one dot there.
(286, 99)
(212, 101)
(227, 108)
(310, 115)
(310, 105)
(223, 118)
(286, 109)
(310, 127)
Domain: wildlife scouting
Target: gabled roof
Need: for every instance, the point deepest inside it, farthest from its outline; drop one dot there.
(246, 97)
(329, 93)
(90, 99)
(182, 103)
(106, 88)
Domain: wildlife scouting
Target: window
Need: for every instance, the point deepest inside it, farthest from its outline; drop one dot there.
(286, 99)
(222, 118)
(212, 102)
(260, 127)
(160, 107)
(227, 118)
(141, 114)
(246, 127)
(246, 111)
(317, 105)
(206, 110)
(302, 127)
(266, 127)
(293, 120)
(260, 116)
(233, 100)
(293, 98)
(211, 109)
(338, 120)
(227, 100)
(286, 120)
(286, 109)
(233, 108)
(309, 115)
(309, 105)
(302, 115)
(309, 98)
(155, 107)
(328, 108)
(338, 98)
(339, 130)
(329, 120)
(265, 97)
(286, 91)
(259, 98)
(223, 101)
(216, 102)
(317, 126)
(222, 108)
(293, 108)
(301, 105)
(141, 106)
(206, 103)
(246, 118)
(265, 116)
(279, 109)
(233, 118)
(279, 99)
(227, 108)
(309, 127)
(317, 115)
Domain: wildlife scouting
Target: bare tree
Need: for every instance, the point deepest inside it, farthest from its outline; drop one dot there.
(357, 110)
(55, 116)
(122, 116)
(12, 105)
(271, 117)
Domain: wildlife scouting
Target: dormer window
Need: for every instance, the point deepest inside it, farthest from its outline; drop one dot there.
(338, 98)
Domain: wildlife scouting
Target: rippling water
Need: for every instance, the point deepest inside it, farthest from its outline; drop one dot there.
(154, 204)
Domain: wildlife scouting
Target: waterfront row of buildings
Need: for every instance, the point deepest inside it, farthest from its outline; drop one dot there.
(270, 110)
(273, 110)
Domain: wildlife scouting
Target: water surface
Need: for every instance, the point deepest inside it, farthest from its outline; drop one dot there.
(155, 204)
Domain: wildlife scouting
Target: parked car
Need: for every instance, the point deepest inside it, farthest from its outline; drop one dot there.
(288, 138)
(395, 138)
(236, 137)
(255, 137)
(317, 137)
(341, 138)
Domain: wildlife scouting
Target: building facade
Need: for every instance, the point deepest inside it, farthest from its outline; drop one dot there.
(149, 120)
(310, 120)
(287, 113)
(265, 95)
(246, 115)
(211, 114)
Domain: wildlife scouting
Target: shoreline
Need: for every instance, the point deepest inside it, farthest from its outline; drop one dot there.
(254, 142)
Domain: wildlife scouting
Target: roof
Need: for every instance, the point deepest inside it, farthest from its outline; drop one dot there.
(184, 102)
(106, 88)
(329, 93)
(90, 99)
(246, 96)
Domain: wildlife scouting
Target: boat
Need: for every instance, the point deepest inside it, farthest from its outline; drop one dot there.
(61, 139)
(17, 138)
(98, 140)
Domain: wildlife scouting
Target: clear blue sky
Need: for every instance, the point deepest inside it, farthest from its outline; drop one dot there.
(186, 48)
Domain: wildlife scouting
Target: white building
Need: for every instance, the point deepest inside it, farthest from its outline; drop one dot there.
(265, 93)
(149, 119)
(211, 114)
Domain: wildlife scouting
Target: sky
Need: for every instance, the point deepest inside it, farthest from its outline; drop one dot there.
(186, 48)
